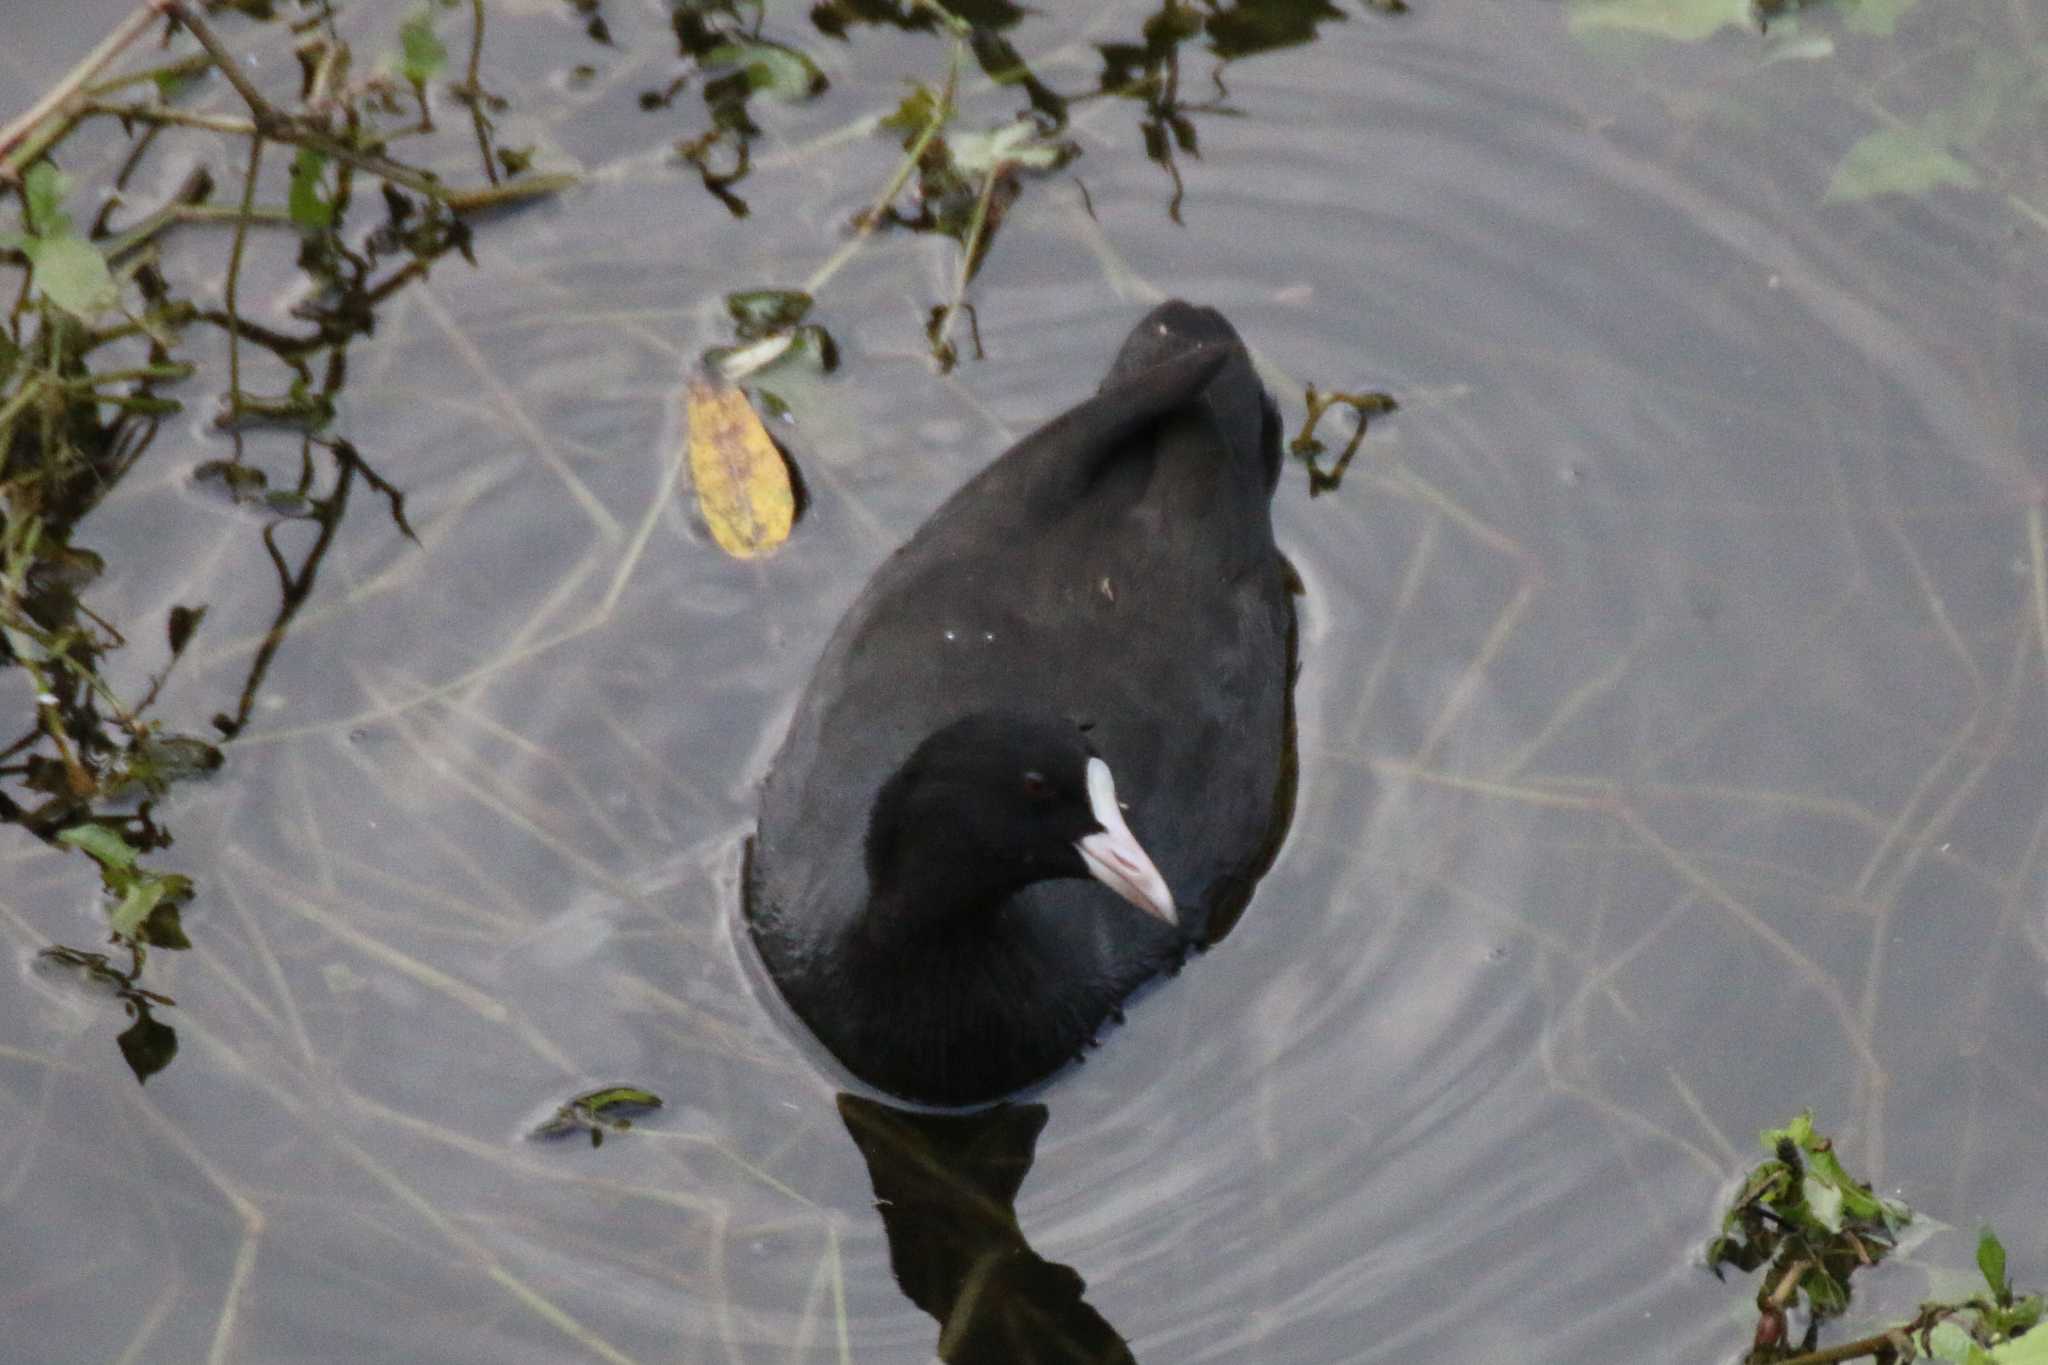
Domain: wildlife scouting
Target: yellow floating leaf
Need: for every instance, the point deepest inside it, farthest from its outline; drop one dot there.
(742, 483)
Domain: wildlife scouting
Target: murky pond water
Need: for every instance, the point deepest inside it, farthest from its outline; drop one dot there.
(1673, 715)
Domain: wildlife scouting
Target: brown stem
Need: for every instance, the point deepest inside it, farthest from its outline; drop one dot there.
(74, 80)
(259, 108)
(970, 250)
(476, 90)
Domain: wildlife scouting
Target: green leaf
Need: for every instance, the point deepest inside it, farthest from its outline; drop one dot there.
(759, 312)
(1829, 1296)
(24, 646)
(1824, 1201)
(72, 274)
(422, 54)
(308, 208)
(780, 71)
(918, 109)
(1991, 1260)
(1951, 1343)
(1685, 21)
(1799, 1132)
(1877, 17)
(46, 187)
(106, 846)
(135, 907)
(2031, 1349)
(171, 83)
(598, 1102)
(1896, 161)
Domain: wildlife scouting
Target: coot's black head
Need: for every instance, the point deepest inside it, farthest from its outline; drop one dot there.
(1170, 330)
(993, 802)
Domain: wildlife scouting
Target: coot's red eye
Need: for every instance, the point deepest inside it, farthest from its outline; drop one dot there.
(1036, 787)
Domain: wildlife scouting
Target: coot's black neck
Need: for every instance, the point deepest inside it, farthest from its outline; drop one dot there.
(958, 1002)
(936, 902)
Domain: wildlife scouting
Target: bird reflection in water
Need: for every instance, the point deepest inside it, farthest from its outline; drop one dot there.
(946, 1187)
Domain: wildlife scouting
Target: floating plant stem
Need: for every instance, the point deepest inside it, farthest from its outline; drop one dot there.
(18, 133)
(870, 218)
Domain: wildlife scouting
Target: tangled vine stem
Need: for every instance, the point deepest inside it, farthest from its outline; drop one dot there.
(25, 139)
(1365, 406)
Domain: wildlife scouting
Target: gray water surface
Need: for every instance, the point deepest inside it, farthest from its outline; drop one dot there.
(1671, 721)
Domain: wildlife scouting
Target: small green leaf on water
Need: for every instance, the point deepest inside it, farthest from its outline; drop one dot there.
(308, 208)
(148, 895)
(422, 54)
(105, 846)
(1897, 161)
(1828, 1296)
(1951, 1343)
(144, 895)
(2031, 1349)
(170, 84)
(1991, 1260)
(23, 645)
(616, 1097)
(916, 111)
(1825, 1203)
(597, 1112)
(759, 312)
(783, 72)
(46, 187)
(1683, 21)
(72, 274)
(1877, 17)
(159, 760)
(148, 1046)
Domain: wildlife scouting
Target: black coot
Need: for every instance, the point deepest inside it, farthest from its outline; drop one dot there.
(1048, 744)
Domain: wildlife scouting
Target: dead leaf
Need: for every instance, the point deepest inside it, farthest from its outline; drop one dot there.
(743, 486)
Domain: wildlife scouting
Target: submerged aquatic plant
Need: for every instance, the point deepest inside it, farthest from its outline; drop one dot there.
(92, 354)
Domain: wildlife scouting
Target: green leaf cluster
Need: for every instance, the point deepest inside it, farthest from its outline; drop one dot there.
(146, 903)
(1801, 1213)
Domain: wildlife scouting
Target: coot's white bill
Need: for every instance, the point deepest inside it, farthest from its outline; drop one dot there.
(1113, 854)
